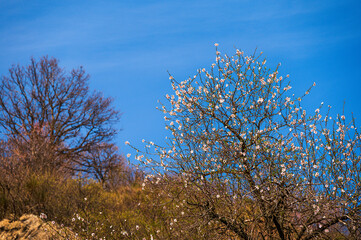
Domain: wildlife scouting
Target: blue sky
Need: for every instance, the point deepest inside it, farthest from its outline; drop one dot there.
(128, 46)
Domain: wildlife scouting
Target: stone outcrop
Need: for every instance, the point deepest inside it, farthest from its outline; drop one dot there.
(32, 227)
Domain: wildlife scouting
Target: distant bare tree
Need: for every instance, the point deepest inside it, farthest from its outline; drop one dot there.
(51, 118)
(110, 168)
(244, 160)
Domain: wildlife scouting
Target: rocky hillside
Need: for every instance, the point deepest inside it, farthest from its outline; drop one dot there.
(32, 227)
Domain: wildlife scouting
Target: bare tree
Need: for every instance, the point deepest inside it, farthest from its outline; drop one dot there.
(51, 118)
(109, 167)
(246, 160)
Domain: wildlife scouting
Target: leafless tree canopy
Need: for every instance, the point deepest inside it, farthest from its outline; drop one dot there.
(50, 117)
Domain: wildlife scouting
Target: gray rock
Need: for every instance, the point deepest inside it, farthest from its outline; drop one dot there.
(32, 227)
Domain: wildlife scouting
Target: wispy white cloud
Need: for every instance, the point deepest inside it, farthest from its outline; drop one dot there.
(101, 26)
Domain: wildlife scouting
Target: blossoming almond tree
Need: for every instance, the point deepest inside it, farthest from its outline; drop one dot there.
(247, 161)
